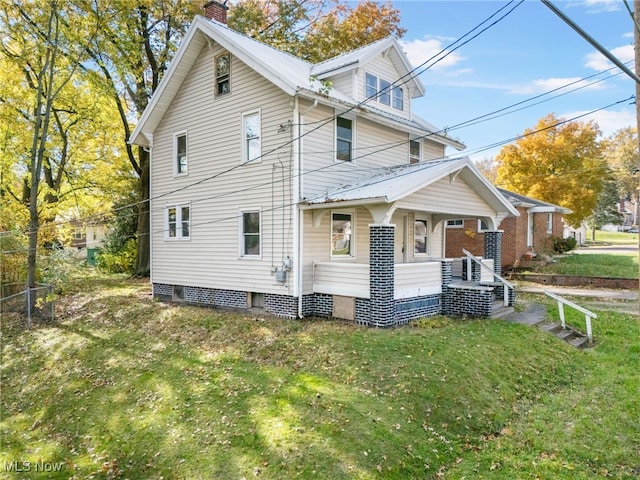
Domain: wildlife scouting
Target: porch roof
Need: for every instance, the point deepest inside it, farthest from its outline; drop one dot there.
(390, 184)
(533, 204)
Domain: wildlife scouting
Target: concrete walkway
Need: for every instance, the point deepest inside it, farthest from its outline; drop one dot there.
(609, 294)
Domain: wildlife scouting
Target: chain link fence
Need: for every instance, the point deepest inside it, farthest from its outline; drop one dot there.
(31, 304)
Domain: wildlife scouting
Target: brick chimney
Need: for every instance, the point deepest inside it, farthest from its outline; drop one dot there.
(217, 11)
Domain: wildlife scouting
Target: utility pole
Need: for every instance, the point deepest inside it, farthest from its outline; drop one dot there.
(636, 50)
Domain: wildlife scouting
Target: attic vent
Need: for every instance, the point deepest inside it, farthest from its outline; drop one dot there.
(216, 11)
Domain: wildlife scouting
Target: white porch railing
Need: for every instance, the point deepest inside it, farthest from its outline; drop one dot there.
(505, 283)
(588, 314)
(352, 279)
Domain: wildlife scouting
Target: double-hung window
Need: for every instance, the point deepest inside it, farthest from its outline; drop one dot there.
(371, 86)
(414, 151)
(398, 99)
(251, 148)
(223, 70)
(178, 222)
(549, 222)
(344, 139)
(341, 234)
(250, 234)
(180, 149)
(421, 237)
(384, 96)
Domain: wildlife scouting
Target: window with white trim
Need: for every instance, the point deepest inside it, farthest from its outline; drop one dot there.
(344, 139)
(251, 147)
(549, 222)
(223, 71)
(250, 234)
(180, 149)
(415, 151)
(381, 90)
(421, 237)
(398, 99)
(341, 234)
(482, 225)
(457, 223)
(177, 222)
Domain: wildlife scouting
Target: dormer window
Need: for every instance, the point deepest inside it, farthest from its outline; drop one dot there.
(414, 151)
(223, 67)
(382, 91)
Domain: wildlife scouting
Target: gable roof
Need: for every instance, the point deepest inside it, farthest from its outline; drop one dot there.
(361, 56)
(292, 74)
(389, 184)
(532, 204)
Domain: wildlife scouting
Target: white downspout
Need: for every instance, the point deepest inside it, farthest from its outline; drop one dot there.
(297, 195)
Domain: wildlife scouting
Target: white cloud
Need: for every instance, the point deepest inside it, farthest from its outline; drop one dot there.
(609, 121)
(599, 6)
(543, 85)
(420, 50)
(599, 62)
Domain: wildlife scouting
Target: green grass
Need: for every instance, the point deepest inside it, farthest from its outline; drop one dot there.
(123, 387)
(595, 265)
(614, 237)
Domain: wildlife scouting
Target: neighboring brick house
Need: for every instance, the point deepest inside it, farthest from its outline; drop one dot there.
(527, 235)
(306, 189)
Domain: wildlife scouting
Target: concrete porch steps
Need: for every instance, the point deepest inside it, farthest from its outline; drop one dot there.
(498, 310)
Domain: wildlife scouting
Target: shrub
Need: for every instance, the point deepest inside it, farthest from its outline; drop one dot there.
(121, 261)
(563, 245)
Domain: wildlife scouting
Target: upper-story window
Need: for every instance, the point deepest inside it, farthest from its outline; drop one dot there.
(180, 148)
(415, 153)
(251, 148)
(344, 139)
(223, 70)
(382, 91)
(398, 100)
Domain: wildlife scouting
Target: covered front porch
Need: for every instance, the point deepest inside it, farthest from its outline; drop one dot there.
(386, 236)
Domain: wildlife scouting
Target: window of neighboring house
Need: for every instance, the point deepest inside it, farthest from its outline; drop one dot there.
(549, 222)
(398, 100)
(250, 236)
(223, 68)
(178, 219)
(457, 223)
(414, 151)
(421, 237)
(384, 96)
(371, 86)
(482, 225)
(341, 234)
(77, 234)
(180, 146)
(251, 136)
(344, 138)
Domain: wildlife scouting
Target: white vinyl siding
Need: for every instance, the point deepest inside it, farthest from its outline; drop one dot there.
(227, 186)
(382, 68)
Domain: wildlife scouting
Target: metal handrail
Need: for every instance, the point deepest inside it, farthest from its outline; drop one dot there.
(506, 284)
(588, 314)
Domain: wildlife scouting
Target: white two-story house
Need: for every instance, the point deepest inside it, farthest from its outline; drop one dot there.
(306, 190)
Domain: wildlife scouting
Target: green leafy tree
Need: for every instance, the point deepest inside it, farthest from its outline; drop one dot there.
(556, 161)
(315, 30)
(621, 154)
(606, 210)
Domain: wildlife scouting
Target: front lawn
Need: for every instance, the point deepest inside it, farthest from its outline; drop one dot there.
(123, 387)
(595, 265)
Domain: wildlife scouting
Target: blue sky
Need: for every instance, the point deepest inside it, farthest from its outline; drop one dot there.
(529, 52)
